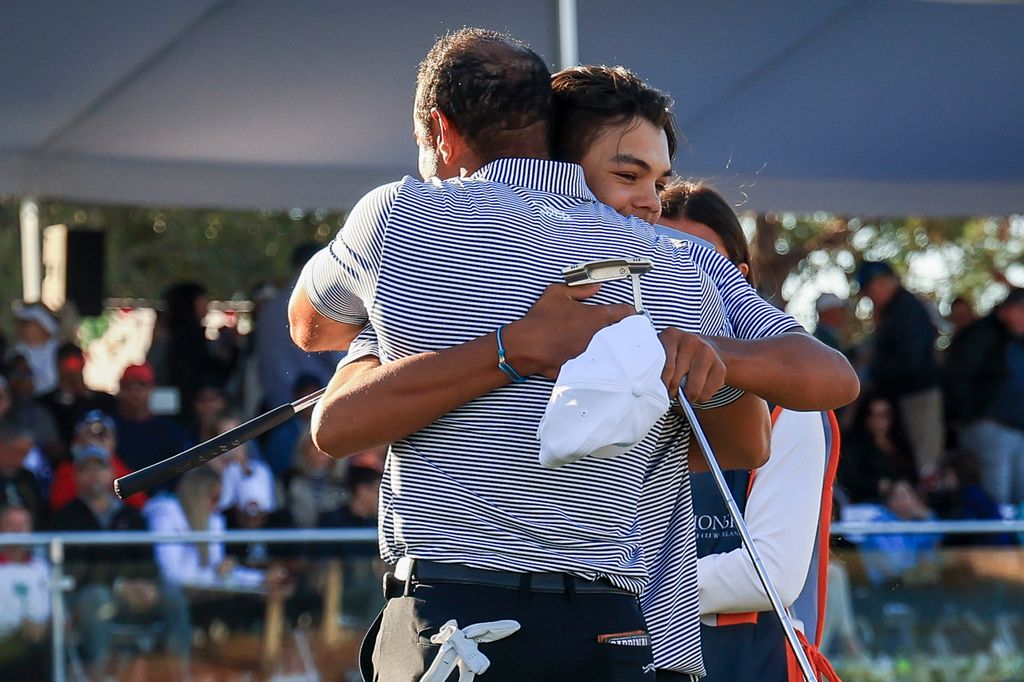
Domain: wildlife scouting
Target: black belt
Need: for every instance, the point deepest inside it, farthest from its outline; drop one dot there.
(424, 571)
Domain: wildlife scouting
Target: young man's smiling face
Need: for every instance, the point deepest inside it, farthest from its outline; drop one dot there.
(626, 166)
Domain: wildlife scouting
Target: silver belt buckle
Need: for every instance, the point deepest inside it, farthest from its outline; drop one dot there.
(403, 569)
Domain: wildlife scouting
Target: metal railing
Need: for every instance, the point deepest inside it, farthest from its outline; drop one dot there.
(927, 527)
(369, 535)
(60, 583)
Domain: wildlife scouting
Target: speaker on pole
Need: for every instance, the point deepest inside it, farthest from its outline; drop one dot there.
(73, 268)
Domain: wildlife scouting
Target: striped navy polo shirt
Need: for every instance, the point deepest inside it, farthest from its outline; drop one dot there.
(437, 264)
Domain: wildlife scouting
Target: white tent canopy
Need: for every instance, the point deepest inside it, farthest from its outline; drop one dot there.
(863, 106)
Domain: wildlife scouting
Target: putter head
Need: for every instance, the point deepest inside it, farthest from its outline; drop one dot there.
(605, 270)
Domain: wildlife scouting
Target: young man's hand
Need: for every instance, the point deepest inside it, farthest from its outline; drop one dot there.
(695, 359)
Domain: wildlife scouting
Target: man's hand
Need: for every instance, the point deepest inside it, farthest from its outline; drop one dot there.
(694, 358)
(557, 328)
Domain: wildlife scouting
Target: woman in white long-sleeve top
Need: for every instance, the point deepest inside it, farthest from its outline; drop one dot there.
(188, 564)
(786, 505)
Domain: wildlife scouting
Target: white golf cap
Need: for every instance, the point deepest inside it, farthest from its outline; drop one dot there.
(607, 399)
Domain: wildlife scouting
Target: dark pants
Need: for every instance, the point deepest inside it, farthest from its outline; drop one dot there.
(671, 676)
(737, 653)
(560, 636)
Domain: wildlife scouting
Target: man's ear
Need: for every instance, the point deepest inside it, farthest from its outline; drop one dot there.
(446, 138)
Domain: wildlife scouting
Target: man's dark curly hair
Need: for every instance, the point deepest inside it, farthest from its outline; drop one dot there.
(491, 86)
(588, 99)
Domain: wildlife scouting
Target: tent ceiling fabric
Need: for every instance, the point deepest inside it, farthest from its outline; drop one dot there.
(863, 106)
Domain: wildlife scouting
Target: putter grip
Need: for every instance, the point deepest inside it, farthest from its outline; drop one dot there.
(162, 471)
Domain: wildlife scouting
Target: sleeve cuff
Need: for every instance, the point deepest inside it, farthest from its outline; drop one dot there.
(724, 396)
(328, 296)
(364, 345)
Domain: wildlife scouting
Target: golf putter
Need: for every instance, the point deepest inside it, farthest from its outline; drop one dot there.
(596, 271)
(609, 270)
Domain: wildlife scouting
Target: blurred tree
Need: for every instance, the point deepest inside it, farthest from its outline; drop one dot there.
(940, 258)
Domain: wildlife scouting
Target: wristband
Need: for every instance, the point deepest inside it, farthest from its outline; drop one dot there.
(509, 371)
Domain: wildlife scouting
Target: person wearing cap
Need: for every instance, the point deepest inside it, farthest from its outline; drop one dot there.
(96, 428)
(985, 394)
(831, 319)
(72, 398)
(144, 438)
(37, 342)
(253, 507)
(120, 587)
(903, 366)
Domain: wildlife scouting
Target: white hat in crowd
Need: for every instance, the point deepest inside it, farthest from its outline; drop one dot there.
(254, 495)
(607, 399)
(33, 312)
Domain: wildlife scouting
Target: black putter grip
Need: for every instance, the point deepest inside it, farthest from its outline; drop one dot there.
(155, 474)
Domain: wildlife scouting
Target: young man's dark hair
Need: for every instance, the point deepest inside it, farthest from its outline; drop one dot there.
(702, 204)
(493, 88)
(590, 98)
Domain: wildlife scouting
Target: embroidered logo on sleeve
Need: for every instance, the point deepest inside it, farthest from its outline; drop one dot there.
(632, 638)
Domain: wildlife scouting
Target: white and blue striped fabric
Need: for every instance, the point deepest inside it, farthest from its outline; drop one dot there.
(436, 264)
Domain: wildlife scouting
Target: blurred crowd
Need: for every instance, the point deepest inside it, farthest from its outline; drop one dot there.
(934, 435)
(62, 444)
